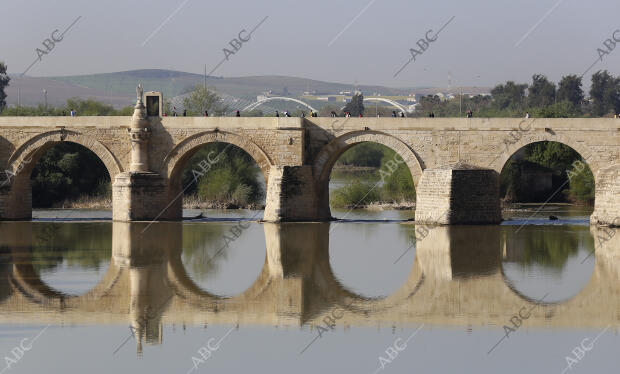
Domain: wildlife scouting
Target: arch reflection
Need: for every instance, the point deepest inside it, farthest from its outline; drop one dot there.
(546, 261)
(455, 279)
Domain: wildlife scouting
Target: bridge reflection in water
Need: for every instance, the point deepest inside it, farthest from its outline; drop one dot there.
(457, 278)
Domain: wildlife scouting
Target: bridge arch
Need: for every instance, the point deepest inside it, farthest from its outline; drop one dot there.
(26, 156)
(508, 149)
(175, 161)
(587, 154)
(329, 154)
(23, 160)
(260, 102)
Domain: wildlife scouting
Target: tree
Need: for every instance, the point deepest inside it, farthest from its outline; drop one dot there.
(90, 107)
(4, 82)
(561, 109)
(552, 155)
(541, 92)
(605, 93)
(201, 99)
(67, 171)
(509, 96)
(570, 89)
(356, 105)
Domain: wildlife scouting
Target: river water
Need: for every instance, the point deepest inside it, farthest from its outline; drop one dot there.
(371, 293)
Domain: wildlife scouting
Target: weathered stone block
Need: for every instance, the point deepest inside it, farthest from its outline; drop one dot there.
(16, 200)
(458, 194)
(291, 195)
(139, 197)
(607, 200)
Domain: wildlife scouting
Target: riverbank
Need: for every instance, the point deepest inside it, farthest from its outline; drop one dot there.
(377, 206)
(86, 202)
(352, 168)
(192, 202)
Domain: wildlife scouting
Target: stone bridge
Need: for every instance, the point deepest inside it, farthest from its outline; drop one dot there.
(146, 284)
(455, 162)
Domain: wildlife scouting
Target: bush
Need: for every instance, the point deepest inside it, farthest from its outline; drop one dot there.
(365, 154)
(67, 171)
(232, 176)
(582, 187)
(399, 186)
(357, 193)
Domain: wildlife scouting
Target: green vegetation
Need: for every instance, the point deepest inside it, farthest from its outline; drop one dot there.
(79, 244)
(86, 107)
(543, 246)
(4, 82)
(355, 106)
(364, 155)
(556, 159)
(231, 178)
(397, 183)
(68, 171)
(540, 99)
(605, 94)
(202, 99)
(355, 194)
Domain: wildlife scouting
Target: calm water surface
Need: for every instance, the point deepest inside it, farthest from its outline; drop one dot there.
(98, 296)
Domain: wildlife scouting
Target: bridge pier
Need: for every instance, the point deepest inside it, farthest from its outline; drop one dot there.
(16, 200)
(607, 197)
(458, 194)
(139, 197)
(292, 196)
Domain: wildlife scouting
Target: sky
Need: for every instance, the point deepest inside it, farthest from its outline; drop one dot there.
(366, 41)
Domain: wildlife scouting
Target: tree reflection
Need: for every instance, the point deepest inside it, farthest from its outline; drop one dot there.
(202, 248)
(547, 246)
(87, 245)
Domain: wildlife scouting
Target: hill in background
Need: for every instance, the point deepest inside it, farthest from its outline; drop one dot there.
(118, 89)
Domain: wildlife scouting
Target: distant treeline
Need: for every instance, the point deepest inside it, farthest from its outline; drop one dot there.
(541, 98)
(87, 107)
